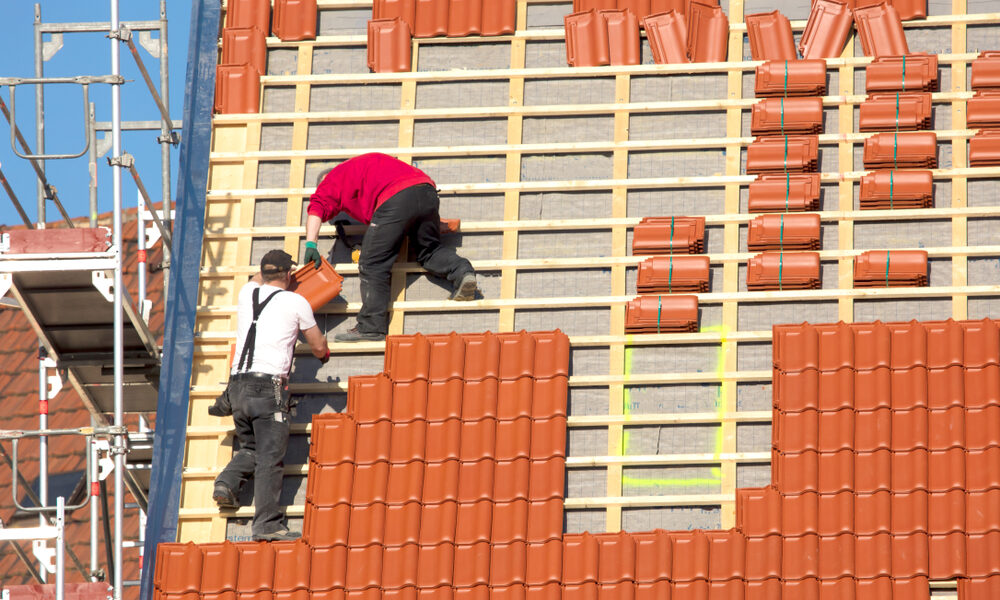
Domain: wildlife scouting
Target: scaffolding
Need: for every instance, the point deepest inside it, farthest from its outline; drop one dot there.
(121, 375)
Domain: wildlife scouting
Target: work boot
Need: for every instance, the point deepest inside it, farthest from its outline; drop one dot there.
(466, 288)
(282, 535)
(353, 335)
(224, 497)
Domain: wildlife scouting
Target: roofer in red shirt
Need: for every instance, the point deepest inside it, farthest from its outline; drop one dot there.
(397, 200)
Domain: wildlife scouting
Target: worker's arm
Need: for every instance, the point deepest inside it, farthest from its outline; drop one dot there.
(313, 223)
(311, 253)
(317, 343)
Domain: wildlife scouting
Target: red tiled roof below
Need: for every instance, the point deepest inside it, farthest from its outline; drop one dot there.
(886, 446)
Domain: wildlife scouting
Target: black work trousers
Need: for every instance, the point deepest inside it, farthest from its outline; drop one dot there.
(260, 413)
(413, 213)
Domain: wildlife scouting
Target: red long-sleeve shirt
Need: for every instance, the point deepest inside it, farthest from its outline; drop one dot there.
(360, 185)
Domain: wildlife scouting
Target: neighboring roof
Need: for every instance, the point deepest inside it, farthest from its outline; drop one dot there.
(19, 406)
(445, 476)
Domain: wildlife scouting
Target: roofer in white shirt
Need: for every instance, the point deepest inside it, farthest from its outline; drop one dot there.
(268, 323)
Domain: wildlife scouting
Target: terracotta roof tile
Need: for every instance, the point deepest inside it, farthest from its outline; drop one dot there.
(295, 20)
(389, 45)
(587, 43)
(826, 31)
(798, 192)
(917, 149)
(770, 36)
(667, 35)
(880, 30)
(237, 89)
(896, 188)
(708, 32)
(669, 235)
(782, 232)
(668, 274)
(249, 13)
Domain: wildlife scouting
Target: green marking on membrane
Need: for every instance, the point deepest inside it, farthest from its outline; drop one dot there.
(716, 472)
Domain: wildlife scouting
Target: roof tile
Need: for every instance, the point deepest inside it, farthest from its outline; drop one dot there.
(788, 78)
(986, 71)
(880, 30)
(667, 34)
(770, 36)
(826, 31)
(708, 32)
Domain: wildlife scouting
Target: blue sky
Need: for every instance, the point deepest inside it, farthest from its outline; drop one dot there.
(84, 54)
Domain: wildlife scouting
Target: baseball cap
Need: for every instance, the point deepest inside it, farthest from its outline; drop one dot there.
(276, 261)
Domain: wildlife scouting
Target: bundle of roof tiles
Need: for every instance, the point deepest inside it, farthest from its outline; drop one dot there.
(792, 154)
(789, 78)
(910, 149)
(783, 271)
(895, 188)
(671, 274)
(895, 268)
(886, 454)
(786, 116)
(898, 112)
(916, 72)
(662, 314)
(669, 235)
(784, 232)
(787, 192)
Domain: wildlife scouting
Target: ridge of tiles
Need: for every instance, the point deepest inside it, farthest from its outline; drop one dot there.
(445, 480)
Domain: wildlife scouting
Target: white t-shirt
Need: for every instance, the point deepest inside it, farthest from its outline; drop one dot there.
(277, 328)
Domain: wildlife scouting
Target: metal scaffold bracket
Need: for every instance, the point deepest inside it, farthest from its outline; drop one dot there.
(105, 464)
(46, 556)
(51, 46)
(104, 283)
(128, 162)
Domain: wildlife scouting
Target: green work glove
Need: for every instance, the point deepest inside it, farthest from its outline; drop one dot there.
(312, 255)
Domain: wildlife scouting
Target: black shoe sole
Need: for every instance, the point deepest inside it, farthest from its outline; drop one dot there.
(227, 501)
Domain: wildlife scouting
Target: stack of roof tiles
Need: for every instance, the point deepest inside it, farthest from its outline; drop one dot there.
(983, 110)
(886, 454)
(899, 112)
(669, 274)
(916, 72)
(784, 232)
(885, 268)
(783, 271)
(785, 154)
(910, 149)
(244, 49)
(787, 192)
(669, 235)
(784, 116)
(897, 107)
(896, 188)
(788, 78)
(662, 314)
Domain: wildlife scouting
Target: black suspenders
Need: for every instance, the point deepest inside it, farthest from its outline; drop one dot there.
(249, 345)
